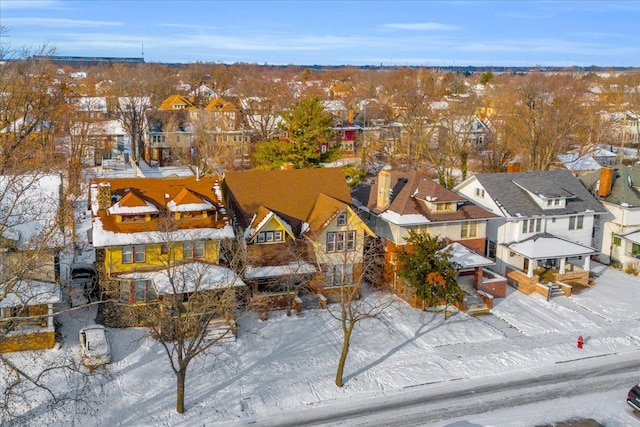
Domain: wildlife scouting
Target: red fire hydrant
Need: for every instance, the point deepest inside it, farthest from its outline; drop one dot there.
(580, 341)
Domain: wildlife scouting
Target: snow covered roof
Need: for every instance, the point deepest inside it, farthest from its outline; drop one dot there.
(29, 210)
(543, 246)
(131, 203)
(138, 103)
(299, 267)
(155, 196)
(465, 257)
(90, 103)
(584, 163)
(191, 277)
(633, 237)
(30, 292)
(187, 201)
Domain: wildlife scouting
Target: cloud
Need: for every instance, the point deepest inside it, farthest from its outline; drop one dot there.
(422, 26)
(59, 22)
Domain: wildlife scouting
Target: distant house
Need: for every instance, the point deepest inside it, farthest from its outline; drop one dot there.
(177, 103)
(30, 241)
(395, 202)
(545, 230)
(222, 115)
(625, 125)
(301, 229)
(618, 234)
(169, 137)
(91, 107)
(145, 229)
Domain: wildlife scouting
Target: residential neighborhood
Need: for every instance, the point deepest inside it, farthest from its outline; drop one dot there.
(248, 242)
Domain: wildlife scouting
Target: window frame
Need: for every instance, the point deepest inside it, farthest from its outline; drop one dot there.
(469, 229)
(341, 241)
(342, 219)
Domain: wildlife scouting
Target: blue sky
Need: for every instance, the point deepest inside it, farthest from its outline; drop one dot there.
(433, 33)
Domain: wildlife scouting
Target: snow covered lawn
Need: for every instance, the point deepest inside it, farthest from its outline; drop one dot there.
(288, 363)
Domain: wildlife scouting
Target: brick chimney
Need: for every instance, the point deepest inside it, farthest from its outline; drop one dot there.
(104, 195)
(606, 181)
(513, 167)
(384, 188)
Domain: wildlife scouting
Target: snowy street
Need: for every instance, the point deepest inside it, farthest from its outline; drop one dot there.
(519, 366)
(477, 369)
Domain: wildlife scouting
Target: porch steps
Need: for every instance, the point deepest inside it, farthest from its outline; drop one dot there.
(221, 329)
(478, 311)
(475, 305)
(555, 290)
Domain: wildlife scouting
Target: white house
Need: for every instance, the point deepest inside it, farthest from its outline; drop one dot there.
(618, 235)
(546, 227)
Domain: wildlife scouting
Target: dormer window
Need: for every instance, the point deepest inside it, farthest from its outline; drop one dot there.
(441, 207)
(553, 203)
(134, 218)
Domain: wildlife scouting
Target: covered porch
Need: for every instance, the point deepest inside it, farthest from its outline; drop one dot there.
(480, 284)
(549, 261)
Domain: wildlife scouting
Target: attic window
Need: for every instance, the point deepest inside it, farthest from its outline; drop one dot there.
(342, 219)
(480, 192)
(133, 218)
(444, 206)
(270, 236)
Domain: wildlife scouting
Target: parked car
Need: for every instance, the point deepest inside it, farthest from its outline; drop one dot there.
(94, 346)
(87, 276)
(633, 397)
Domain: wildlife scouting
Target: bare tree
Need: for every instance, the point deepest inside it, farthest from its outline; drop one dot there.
(350, 270)
(30, 104)
(31, 235)
(190, 304)
(411, 94)
(541, 116)
(456, 141)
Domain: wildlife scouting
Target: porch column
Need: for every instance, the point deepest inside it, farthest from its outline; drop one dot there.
(563, 265)
(587, 263)
(477, 277)
(531, 267)
(50, 316)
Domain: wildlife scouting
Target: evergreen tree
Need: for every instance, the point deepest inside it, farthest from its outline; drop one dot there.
(429, 271)
(307, 126)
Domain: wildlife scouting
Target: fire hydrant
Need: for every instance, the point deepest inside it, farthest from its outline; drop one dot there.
(580, 341)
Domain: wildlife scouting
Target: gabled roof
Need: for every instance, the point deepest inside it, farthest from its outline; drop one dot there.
(219, 104)
(409, 193)
(132, 203)
(510, 192)
(263, 216)
(325, 209)
(188, 201)
(291, 194)
(168, 104)
(625, 190)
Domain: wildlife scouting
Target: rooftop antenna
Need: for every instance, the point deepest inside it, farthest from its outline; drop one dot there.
(142, 50)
